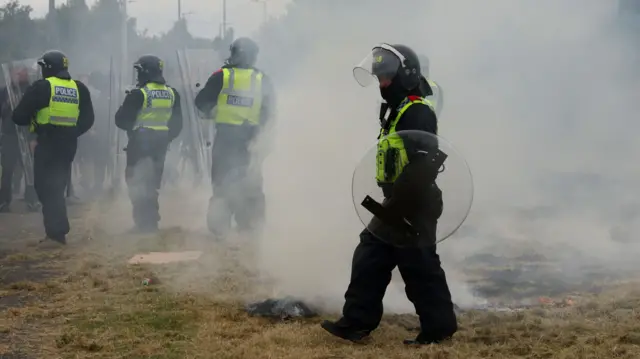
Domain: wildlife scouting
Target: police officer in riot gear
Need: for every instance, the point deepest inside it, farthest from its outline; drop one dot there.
(10, 157)
(432, 91)
(152, 116)
(58, 110)
(240, 99)
(397, 69)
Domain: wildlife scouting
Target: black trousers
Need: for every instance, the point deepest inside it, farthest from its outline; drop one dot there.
(52, 161)
(426, 286)
(237, 195)
(146, 152)
(9, 160)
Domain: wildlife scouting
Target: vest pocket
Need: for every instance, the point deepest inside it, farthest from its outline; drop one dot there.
(390, 164)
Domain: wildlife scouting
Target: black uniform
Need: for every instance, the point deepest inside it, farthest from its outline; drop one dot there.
(54, 152)
(237, 191)
(375, 259)
(145, 177)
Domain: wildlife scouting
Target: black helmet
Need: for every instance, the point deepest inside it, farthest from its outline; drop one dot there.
(149, 69)
(243, 52)
(398, 64)
(410, 72)
(54, 63)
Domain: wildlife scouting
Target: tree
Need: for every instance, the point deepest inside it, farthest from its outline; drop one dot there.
(89, 36)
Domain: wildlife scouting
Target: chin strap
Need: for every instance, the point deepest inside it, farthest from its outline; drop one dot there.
(384, 108)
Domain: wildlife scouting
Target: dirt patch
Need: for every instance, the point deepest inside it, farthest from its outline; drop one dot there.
(29, 272)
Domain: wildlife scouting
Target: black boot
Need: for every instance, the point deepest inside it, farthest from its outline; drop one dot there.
(62, 239)
(423, 339)
(344, 331)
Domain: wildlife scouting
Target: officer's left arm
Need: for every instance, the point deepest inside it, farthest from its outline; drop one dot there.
(35, 98)
(418, 117)
(175, 122)
(86, 118)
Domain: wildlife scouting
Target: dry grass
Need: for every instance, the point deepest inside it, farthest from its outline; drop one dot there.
(96, 307)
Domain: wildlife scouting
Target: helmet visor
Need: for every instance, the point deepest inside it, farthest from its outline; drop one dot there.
(381, 65)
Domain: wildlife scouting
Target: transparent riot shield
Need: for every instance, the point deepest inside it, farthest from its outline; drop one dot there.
(117, 91)
(19, 75)
(195, 68)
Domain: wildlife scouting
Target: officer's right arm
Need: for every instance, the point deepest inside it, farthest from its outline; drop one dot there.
(128, 112)
(35, 98)
(207, 98)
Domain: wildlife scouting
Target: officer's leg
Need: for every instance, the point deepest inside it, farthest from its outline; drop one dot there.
(9, 157)
(251, 206)
(154, 184)
(69, 183)
(136, 174)
(219, 214)
(426, 287)
(373, 262)
(41, 157)
(51, 170)
(18, 176)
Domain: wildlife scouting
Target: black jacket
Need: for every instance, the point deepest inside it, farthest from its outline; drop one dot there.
(128, 113)
(37, 97)
(414, 194)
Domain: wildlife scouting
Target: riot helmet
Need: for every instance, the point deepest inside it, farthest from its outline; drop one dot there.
(243, 52)
(149, 68)
(390, 65)
(54, 63)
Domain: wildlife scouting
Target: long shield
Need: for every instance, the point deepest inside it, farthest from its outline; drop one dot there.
(196, 65)
(117, 92)
(19, 75)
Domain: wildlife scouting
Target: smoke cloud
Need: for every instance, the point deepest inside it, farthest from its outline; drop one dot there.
(539, 99)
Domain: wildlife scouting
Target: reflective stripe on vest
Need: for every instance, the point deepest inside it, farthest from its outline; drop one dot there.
(157, 107)
(392, 155)
(64, 104)
(240, 99)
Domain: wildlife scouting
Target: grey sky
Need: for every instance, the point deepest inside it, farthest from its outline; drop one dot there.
(204, 17)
